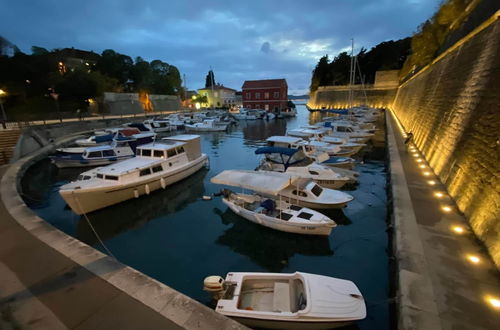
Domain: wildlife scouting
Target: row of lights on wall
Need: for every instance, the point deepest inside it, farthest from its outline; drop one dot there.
(457, 229)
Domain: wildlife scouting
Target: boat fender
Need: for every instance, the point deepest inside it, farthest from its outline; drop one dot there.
(146, 189)
(163, 183)
(136, 193)
(206, 198)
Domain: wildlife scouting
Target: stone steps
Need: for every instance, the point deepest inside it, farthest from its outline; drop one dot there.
(8, 140)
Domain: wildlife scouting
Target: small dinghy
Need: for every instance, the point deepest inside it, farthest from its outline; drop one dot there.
(287, 301)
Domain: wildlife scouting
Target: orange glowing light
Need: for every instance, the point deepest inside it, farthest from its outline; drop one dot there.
(431, 182)
(419, 160)
(438, 194)
(421, 166)
(426, 173)
(446, 208)
(493, 301)
(458, 229)
(474, 259)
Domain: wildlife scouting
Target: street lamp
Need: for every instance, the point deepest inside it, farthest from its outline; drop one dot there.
(55, 96)
(4, 116)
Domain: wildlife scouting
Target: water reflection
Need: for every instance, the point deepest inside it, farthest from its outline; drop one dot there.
(137, 212)
(255, 132)
(268, 248)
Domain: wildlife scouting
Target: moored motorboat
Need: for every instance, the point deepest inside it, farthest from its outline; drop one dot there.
(265, 208)
(155, 166)
(119, 149)
(207, 125)
(287, 301)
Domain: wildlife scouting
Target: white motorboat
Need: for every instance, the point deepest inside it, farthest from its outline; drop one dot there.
(94, 156)
(309, 147)
(159, 125)
(287, 301)
(156, 165)
(309, 194)
(270, 211)
(106, 136)
(323, 175)
(247, 114)
(207, 125)
(296, 190)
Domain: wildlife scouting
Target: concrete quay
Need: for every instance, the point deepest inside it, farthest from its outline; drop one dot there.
(50, 280)
(446, 279)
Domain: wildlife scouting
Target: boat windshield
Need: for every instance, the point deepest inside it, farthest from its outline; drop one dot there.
(317, 190)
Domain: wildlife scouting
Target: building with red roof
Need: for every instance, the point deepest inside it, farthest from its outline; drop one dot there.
(269, 94)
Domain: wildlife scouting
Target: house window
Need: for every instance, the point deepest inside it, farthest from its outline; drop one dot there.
(284, 96)
(257, 95)
(276, 95)
(266, 95)
(267, 106)
(248, 96)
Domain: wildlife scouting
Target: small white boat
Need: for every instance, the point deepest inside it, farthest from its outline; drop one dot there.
(287, 301)
(207, 125)
(309, 194)
(156, 165)
(247, 114)
(94, 156)
(270, 211)
(159, 125)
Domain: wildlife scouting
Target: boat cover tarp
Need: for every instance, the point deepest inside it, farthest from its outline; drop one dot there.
(103, 138)
(265, 182)
(276, 150)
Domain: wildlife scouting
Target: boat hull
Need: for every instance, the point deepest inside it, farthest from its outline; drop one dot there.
(85, 201)
(66, 163)
(292, 325)
(277, 224)
(313, 205)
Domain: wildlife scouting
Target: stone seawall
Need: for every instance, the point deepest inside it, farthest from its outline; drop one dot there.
(337, 97)
(453, 109)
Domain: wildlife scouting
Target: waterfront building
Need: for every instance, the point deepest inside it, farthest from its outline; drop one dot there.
(269, 94)
(219, 96)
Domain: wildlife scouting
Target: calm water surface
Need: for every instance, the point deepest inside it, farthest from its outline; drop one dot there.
(179, 239)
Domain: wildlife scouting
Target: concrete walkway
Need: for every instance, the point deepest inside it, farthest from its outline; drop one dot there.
(49, 280)
(446, 280)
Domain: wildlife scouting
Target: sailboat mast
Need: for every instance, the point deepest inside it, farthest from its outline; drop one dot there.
(351, 75)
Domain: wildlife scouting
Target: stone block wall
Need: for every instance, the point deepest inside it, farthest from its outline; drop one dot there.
(453, 109)
(337, 97)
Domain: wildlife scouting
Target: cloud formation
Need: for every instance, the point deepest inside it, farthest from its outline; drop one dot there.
(232, 37)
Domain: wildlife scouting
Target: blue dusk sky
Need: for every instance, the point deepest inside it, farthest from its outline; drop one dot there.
(240, 40)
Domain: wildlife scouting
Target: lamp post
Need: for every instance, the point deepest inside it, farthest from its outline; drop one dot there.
(4, 116)
(55, 96)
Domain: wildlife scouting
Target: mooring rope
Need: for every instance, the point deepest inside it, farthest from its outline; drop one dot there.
(93, 229)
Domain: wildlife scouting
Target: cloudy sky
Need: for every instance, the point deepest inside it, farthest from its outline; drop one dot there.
(257, 39)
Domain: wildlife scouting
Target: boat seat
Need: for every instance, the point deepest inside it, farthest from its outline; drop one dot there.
(281, 298)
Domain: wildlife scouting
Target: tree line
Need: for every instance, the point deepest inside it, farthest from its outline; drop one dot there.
(408, 55)
(30, 80)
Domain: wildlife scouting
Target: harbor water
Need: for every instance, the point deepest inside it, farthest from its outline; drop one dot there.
(176, 237)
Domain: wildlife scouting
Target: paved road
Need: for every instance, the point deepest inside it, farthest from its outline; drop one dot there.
(441, 286)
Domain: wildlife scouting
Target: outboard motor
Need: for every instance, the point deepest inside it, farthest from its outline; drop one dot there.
(215, 286)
